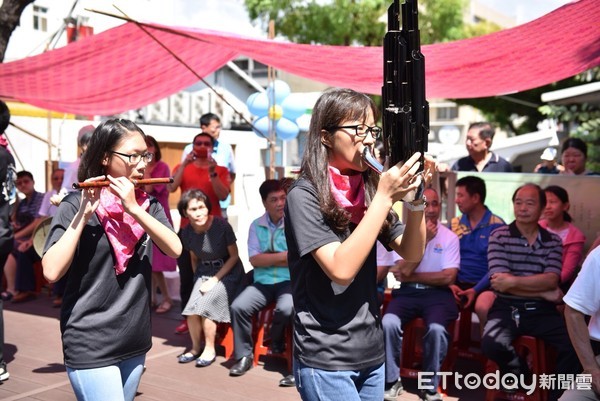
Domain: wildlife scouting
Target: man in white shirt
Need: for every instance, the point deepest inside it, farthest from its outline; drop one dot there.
(424, 292)
(583, 299)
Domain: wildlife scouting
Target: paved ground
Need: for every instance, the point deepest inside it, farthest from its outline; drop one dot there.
(33, 351)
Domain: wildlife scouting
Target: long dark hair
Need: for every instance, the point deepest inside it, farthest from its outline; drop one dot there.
(332, 109)
(105, 138)
(563, 195)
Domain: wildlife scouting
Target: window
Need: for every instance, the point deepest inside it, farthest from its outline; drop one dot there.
(40, 20)
(447, 113)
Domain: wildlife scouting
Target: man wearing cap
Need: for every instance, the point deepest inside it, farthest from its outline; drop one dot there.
(548, 164)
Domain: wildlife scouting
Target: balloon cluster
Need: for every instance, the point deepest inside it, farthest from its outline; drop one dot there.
(282, 113)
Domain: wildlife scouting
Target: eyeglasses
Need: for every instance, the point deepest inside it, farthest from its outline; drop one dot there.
(135, 158)
(203, 143)
(22, 182)
(361, 130)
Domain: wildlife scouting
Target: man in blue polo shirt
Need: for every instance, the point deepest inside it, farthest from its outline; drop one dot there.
(267, 251)
(481, 158)
(473, 229)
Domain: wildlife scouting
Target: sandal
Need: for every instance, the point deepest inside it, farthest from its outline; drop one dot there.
(164, 307)
(7, 295)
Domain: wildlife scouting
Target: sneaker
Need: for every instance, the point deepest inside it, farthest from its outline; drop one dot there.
(3, 372)
(392, 392)
(425, 396)
(182, 328)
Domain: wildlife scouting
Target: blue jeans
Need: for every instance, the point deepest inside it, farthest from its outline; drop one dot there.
(348, 385)
(115, 382)
(438, 310)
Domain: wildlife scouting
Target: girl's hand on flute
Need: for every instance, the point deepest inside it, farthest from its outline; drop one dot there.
(400, 179)
(90, 198)
(125, 190)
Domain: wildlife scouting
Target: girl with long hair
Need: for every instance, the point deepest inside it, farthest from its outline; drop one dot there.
(334, 213)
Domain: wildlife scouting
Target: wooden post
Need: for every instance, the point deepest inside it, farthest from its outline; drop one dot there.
(272, 134)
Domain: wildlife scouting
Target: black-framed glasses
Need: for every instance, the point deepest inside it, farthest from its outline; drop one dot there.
(361, 130)
(135, 158)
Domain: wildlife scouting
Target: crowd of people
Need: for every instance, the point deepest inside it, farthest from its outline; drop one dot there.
(320, 254)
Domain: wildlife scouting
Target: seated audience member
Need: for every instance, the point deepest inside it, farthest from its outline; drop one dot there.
(525, 263)
(20, 278)
(48, 209)
(267, 250)
(423, 292)
(217, 271)
(583, 299)
(473, 229)
(481, 158)
(573, 156)
(557, 220)
(548, 164)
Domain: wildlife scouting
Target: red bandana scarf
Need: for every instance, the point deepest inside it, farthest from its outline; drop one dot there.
(122, 230)
(349, 193)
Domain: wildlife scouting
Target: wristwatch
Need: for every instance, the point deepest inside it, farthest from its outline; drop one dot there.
(418, 205)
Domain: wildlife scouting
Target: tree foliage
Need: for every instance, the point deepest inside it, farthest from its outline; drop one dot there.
(358, 22)
(337, 22)
(10, 13)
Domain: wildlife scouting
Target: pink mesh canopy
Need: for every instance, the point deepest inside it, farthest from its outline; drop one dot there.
(124, 68)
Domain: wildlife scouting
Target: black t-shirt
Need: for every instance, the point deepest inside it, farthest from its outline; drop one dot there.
(334, 329)
(7, 163)
(105, 318)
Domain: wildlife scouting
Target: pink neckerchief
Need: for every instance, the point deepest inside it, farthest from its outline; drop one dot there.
(122, 230)
(349, 193)
(3, 141)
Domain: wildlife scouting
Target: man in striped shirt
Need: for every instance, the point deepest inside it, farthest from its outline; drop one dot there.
(524, 266)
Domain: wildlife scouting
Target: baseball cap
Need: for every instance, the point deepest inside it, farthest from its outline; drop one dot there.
(548, 154)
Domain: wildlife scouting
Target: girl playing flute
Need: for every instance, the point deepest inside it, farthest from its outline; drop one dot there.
(102, 237)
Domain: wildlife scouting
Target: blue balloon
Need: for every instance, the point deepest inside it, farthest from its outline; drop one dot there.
(258, 104)
(286, 129)
(282, 90)
(261, 124)
(293, 106)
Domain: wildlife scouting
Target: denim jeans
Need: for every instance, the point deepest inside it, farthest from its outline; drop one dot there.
(115, 382)
(348, 385)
